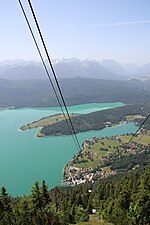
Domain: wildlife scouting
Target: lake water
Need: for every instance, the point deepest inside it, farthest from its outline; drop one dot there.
(25, 158)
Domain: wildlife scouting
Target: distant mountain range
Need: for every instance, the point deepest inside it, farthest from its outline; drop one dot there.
(72, 68)
(143, 72)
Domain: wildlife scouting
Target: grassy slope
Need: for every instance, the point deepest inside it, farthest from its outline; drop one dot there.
(46, 121)
(140, 138)
(94, 220)
(134, 117)
(109, 144)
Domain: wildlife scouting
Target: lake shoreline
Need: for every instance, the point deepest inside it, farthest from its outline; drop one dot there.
(61, 135)
(32, 158)
(57, 106)
(94, 161)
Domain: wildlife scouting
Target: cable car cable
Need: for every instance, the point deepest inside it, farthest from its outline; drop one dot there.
(52, 68)
(33, 36)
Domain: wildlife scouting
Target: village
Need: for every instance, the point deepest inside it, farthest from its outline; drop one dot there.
(95, 160)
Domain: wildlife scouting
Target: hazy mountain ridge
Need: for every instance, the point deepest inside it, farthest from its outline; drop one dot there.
(70, 68)
(24, 72)
(65, 68)
(38, 93)
(112, 65)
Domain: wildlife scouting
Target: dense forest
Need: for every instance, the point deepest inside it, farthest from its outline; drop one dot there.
(94, 121)
(122, 199)
(38, 93)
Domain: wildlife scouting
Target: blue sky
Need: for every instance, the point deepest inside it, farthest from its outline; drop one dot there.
(94, 29)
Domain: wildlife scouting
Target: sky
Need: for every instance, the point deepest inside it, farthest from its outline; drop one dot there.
(84, 29)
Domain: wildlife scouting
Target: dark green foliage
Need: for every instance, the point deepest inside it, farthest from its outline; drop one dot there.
(132, 204)
(5, 207)
(81, 215)
(93, 121)
(44, 194)
(128, 162)
(122, 199)
(36, 197)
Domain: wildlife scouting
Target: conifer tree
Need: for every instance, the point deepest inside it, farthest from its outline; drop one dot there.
(36, 197)
(44, 194)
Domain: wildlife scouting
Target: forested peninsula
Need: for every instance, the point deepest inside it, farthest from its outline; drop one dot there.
(96, 120)
(49, 120)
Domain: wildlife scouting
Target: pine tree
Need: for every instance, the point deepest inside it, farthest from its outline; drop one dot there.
(44, 194)
(36, 197)
(6, 213)
(81, 215)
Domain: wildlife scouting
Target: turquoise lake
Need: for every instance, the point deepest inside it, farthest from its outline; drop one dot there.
(24, 158)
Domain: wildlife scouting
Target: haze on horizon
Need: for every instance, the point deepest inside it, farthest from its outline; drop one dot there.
(103, 29)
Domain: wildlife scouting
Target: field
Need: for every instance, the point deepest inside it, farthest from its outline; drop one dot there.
(94, 220)
(143, 139)
(132, 117)
(98, 150)
(93, 152)
(103, 147)
(46, 121)
(89, 164)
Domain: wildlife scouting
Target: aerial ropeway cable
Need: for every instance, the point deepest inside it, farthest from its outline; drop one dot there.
(137, 131)
(67, 117)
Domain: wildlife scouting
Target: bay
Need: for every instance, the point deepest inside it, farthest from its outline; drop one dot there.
(25, 158)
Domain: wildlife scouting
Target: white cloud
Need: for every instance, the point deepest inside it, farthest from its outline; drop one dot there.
(115, 24)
